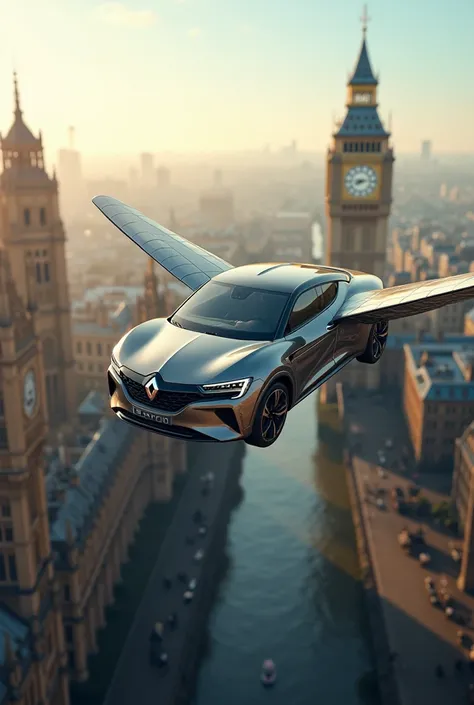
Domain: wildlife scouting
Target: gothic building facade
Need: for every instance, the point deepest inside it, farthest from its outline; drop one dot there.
(64, 531)
(34, 668)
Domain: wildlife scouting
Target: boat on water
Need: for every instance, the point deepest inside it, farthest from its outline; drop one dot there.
(268, 674)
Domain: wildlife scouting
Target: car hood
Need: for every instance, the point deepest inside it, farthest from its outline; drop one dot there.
(183, 356)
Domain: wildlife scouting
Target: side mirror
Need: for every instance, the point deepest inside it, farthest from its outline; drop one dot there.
(332, 325)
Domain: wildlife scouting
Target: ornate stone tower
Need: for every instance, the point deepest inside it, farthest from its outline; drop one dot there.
(359, 193)
(26, 567)
(359, 177)
(31, 228)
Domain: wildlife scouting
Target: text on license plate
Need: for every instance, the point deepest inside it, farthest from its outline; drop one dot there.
(150, 416)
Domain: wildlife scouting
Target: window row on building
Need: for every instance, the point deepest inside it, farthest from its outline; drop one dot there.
(90, 348)
(29, 217)
(362, 147)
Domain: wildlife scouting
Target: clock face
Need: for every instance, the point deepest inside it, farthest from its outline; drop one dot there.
(362, 98)
(29, 393)
(361, 181)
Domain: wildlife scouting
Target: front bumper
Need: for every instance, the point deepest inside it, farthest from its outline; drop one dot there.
(209, 418)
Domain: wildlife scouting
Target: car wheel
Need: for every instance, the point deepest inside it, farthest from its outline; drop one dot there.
(270, 416)
(375, 344)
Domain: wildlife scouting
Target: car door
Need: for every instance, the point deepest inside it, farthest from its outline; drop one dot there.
(351, 338)
(310, 329)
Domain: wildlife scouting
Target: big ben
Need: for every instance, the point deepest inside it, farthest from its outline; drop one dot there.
(359, 195)
(359, 177)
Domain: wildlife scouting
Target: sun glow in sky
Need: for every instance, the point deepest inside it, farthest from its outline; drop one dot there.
(192, 75)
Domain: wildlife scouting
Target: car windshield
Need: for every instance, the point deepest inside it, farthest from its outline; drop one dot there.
(232, 311)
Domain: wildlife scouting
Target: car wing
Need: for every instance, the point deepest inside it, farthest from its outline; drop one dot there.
(407, 299)
(189, 263)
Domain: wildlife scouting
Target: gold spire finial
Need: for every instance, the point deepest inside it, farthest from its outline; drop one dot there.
(16, 94)
(365, 19)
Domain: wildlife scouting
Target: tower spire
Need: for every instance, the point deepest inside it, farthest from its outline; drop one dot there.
(363, 73)
(365, 19)
(16, 94)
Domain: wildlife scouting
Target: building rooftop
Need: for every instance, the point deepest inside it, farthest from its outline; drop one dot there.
(437, 368)
(95, 471)
(125, 293)
(93, 404)
(14, 636)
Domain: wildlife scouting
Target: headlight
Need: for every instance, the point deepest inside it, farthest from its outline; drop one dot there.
(237, 388)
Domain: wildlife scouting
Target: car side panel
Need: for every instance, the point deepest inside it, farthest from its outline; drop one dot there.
(352, 336)
(351, 339)
(315, 342)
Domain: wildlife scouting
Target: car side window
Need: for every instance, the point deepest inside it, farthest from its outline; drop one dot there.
(309, 304)
(328, 294)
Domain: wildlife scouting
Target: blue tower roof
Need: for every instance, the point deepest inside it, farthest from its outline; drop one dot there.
(363, 73)
(362, 122)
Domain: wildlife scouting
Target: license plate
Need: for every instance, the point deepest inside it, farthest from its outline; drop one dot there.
(150, 416)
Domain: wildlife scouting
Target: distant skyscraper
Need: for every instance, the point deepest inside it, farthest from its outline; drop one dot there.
(426, 150)
(146, 163)
(70, 178)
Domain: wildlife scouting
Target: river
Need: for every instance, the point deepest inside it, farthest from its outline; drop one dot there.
(291, 592)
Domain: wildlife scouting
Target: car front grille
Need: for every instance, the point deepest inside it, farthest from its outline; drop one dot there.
(164, 400)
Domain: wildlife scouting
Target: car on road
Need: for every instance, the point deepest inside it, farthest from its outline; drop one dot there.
(192, 584)
(252, 341)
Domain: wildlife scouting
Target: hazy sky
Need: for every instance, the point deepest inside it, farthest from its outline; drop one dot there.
(190, 75)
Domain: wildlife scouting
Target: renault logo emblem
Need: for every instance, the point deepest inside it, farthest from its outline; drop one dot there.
(151, 388)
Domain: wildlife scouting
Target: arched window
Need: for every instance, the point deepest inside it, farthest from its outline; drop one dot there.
(43, 216)
(26, 216)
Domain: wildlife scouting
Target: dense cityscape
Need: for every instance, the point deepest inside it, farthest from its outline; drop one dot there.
(137, 567)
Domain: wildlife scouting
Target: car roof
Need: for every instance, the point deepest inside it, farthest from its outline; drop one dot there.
(283, 277)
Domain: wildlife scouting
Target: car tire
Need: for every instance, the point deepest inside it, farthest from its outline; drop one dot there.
(375, 344)
(270, 416)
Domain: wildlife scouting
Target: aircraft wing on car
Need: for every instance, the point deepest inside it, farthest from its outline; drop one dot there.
(189, 263)
(407, 299)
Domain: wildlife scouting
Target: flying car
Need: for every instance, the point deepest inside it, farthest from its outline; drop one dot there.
(250, 342)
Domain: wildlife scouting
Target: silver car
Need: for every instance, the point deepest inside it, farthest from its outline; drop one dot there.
(250, 342)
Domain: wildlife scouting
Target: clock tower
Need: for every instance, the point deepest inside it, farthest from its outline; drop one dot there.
(359, 194)
(359, 177)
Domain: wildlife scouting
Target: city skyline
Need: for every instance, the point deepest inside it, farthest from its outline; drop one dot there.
(258, 77)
